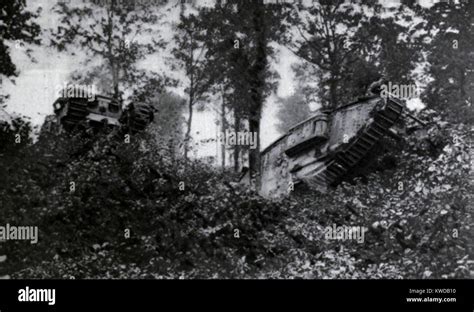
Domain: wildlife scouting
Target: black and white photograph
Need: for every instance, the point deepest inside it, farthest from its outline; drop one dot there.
(234, 139)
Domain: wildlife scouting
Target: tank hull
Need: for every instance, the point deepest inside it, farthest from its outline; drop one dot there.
(100, 113)
(352, 131)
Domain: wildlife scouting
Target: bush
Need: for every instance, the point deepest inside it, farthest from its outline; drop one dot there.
(188, 220)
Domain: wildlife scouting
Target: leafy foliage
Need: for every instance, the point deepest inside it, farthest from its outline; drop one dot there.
(16, 25)
(193, 222)
(451, 89)
(118, 35)
(292, 110)
(351, 46)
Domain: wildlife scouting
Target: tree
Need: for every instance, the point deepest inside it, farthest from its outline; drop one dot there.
(323, 41)
(389, 45)
(15, 25)
(351, 46)
(116, 34)
(168, 122)
(194, 57)
(292, 110)
(242, 46)
(451, 59)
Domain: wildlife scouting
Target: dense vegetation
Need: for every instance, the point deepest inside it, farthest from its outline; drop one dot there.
(190, 221)
(110, 209)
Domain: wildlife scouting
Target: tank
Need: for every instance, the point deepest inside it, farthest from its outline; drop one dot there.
(99, 112)
(319, 151)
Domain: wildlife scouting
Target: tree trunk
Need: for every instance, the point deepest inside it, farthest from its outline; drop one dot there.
(254, 154)
(190, 71)
(223, 128)
(187, 137)
(258, 84)
(333, 95)
(117, 95)
(113, 64)
(236, 147)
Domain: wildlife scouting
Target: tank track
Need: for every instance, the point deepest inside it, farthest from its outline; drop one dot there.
(338, 165)
(76, 113)
(71, 115)
(137, 117)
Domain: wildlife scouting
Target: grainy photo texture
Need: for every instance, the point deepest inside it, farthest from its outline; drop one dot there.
(232, 139)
